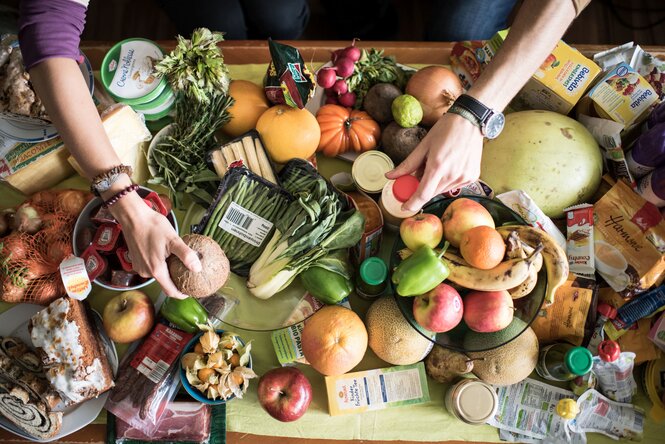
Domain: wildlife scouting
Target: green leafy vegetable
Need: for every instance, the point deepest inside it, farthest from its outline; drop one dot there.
(372, 68)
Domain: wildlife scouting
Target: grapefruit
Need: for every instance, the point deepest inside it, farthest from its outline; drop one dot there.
(250, 103)
(289, 133)
(334, 340)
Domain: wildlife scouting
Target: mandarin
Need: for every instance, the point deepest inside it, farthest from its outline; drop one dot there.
(482, 247)
(250, 103)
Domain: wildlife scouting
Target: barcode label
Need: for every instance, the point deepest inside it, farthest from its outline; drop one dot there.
(245, 225)
(154, 371)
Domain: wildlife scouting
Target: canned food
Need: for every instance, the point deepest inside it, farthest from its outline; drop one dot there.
(369, 171)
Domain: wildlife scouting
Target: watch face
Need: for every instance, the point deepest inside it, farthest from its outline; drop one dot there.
(494, 125)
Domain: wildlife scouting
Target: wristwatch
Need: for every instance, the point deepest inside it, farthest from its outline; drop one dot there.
(489, 121)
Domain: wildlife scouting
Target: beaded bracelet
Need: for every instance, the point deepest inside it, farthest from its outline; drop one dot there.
(103, 182)
(113, 200)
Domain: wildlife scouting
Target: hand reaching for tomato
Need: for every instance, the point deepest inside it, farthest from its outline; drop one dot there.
(448, 156)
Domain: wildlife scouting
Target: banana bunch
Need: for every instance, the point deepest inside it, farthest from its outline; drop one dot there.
(527, 250)
(554, 258)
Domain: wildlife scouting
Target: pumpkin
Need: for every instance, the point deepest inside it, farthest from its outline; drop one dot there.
(288, 133)
(250, 103)
(344, 129)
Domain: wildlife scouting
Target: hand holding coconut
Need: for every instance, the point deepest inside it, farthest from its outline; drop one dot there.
(212, 273)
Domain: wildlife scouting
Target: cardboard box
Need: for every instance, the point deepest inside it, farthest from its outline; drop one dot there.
(558, 84)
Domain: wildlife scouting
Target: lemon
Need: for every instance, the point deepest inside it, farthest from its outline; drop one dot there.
(407, 111)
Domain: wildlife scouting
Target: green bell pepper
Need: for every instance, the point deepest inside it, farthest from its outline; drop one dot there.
(420, 272)
(186, 314)
(325, 285)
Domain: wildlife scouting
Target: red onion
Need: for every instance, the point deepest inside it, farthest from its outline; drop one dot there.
(436, 88)
(348, 99)
(340, 87)
(326, 77)
(345, 67)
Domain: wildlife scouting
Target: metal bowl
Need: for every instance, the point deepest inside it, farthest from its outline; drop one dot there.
(84, 222)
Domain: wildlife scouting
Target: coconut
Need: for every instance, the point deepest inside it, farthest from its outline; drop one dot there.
(214, 268)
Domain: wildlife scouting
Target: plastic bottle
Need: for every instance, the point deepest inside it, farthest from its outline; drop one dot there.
(652, 186)
(614, 370)
(657, 116)
(563, 362)
(372, 277)
(648, 151)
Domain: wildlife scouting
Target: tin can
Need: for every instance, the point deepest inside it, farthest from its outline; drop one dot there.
(471, 401)
(369, 171)
(370, 242)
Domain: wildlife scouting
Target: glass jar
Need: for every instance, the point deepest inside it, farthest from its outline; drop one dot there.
(471, 401)
(563, 362)
(372, 278)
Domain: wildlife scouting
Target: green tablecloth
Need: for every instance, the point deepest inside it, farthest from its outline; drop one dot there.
(424, 422)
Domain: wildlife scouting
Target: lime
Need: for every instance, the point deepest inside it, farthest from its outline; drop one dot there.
(407, 111)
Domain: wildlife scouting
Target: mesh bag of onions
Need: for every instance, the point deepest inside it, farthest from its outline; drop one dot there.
(37, 236)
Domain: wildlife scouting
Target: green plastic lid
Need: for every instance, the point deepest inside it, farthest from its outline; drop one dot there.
(579, 361)
(373, 270)
(159, 107)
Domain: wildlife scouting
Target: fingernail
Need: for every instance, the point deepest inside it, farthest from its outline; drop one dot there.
(197, 267)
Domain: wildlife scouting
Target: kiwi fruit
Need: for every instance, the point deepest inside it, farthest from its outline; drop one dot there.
(214, 267)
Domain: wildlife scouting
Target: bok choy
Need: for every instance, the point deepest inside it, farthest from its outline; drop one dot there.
(314, 224)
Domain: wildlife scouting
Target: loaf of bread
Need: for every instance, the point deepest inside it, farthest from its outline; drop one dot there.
(71, 351)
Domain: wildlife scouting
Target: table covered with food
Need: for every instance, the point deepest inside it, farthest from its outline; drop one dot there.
(526, 306)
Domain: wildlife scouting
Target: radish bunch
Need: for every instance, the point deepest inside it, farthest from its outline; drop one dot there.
(333, 79)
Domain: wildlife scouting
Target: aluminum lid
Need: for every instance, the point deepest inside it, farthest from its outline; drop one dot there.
(369, 171)
(476, 402)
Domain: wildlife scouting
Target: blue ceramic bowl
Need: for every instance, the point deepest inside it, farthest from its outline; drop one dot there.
(194, 392)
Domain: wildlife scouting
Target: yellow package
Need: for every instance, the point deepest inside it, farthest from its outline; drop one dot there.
(566, 318)
(559, 83)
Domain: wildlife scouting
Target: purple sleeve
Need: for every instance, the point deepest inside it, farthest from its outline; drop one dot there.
(50, 28)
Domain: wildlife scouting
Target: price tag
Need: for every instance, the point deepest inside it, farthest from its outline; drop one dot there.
(75, 278)
(245, 225)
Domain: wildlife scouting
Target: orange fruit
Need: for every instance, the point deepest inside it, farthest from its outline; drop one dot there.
(250, 103)
(482, 247)
(288, 133)
(334, 340)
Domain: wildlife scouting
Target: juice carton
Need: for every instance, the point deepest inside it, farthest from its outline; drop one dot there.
(559, 82)
(621, 95)
(377, 389)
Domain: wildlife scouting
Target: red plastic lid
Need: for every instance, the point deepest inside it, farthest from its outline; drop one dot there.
(607, 310)
(609, 351)
(404, 187)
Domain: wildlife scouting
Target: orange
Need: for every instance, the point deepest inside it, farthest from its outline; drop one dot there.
(334, 340)
(288, 133)
(250, 103)
(482, 247)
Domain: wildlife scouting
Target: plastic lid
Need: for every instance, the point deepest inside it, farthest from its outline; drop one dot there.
(374, 271)
(609, 351)
(476, 402)
(579, 361)
(567, 408)
(369, 171)
(404, 187)
(607, 310)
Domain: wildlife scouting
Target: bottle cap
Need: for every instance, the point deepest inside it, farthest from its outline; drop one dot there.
(607, 310)
(373, 270)
(404, 187)
(567, 408)
(609, 351)
(579, 361)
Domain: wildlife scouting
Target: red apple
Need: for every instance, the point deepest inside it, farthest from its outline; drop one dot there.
(285, 393)
(421, 229)
(463, 214)
(488, 311)
(439, 310)
(129, 316)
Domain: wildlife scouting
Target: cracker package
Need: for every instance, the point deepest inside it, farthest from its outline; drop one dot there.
(629, 241)
(567, 319)
(288, 81)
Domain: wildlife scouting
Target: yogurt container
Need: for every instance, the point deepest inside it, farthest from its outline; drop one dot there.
(157, 108)
(394, 194)
(128, 71)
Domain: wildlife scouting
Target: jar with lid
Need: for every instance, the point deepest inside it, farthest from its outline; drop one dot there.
(471, 401)
(394, 194)
(563, 362)
(372, 278)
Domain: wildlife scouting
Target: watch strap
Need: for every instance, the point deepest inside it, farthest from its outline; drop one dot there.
(464, 112)
(480, 111)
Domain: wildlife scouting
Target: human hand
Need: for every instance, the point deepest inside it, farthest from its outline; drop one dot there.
(449, 157)
(151, 239)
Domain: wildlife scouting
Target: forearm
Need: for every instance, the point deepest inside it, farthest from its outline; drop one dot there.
(537, 28)
(61, 88)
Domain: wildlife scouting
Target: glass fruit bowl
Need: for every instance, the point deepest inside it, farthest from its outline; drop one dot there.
(526, 308)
